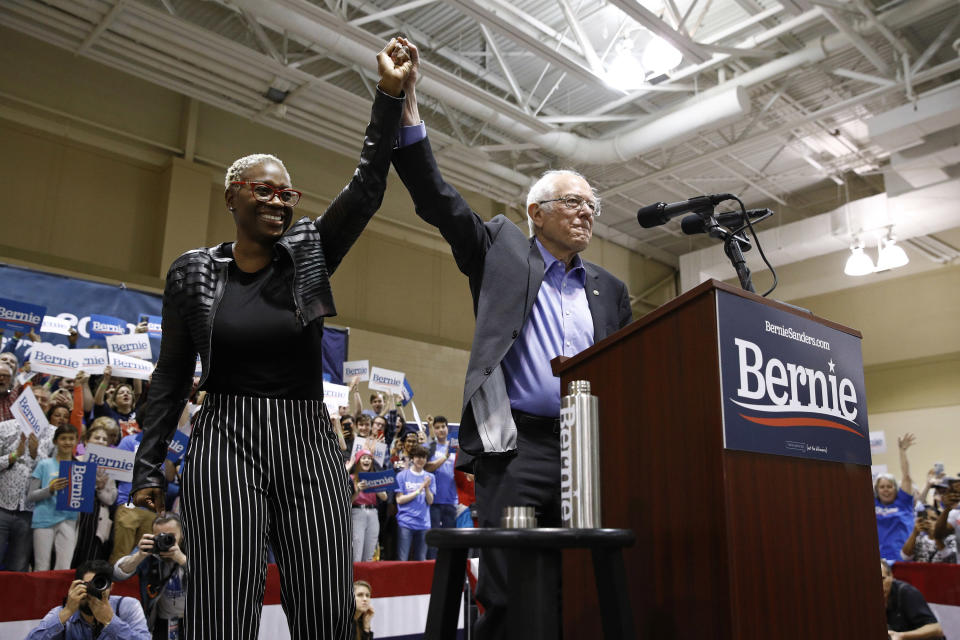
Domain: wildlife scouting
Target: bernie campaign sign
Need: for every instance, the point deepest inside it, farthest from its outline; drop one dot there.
(791, 386)
(386, 380)
(359, 368)
(28, 414)
(135, 345)
(103, 326)
(130, 367)
(57, 325)
(20, 316)
(53, 360)
(80, 492)
(116, 462)
(379, 480)
(178, 447)
(58, 361)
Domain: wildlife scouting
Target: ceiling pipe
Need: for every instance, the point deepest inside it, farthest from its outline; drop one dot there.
(713, 108)
(322, 92)
(690, 117)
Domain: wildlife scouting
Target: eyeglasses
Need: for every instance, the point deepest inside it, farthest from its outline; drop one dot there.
(576, 203)
(265, 193)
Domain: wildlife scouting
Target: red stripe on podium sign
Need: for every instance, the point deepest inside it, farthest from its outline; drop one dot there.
(800, 422)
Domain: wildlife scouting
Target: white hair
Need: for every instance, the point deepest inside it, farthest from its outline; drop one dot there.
(240, 165)
(543, 189)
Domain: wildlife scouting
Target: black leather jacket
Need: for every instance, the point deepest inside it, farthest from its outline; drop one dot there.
(308, 253)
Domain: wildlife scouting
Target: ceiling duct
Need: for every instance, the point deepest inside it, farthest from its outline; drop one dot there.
(343, 40)
(711, 109)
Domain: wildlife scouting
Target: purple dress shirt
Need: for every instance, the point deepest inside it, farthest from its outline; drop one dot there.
(559, 324)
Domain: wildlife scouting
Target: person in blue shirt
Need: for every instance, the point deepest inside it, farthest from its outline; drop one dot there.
(85, 617)
(443, 455)
(414, 497)
(894, 506)
(53, 529)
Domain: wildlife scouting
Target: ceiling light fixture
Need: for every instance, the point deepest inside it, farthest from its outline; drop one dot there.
(890, 255)
(660, 56)
(859, 263)
(625, 72)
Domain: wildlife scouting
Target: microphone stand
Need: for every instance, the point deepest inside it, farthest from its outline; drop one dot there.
(733, 246)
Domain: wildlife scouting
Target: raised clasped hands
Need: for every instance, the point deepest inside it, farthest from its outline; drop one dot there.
(393, 65)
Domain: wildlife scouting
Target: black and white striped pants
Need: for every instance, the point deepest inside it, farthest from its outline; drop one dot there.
(258, 470)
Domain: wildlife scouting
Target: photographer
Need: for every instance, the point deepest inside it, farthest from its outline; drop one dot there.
(89, 611)
(162, 567)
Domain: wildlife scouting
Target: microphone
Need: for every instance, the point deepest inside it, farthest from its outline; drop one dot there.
(693, 224)
(653, 215)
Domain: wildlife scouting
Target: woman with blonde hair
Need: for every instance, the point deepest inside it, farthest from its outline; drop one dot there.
(94, 529)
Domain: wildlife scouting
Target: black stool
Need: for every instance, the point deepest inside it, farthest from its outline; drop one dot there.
(531, 615)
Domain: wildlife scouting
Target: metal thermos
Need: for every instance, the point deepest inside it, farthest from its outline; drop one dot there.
(518, 518)
(580, 457)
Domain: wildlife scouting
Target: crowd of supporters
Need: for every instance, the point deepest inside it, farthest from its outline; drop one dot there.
(917, 524)
(104, 410)
(429, 491)
(391, 512)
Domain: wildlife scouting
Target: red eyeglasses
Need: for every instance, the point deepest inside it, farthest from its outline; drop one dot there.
(265, 193)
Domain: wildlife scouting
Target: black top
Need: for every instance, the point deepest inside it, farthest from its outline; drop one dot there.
(259, 347)
(906, 608)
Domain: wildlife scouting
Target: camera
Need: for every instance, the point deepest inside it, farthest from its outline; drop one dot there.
(98, 585)
(164, 542)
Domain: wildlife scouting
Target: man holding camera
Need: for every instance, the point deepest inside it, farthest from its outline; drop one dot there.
(89, 610)
(162, 567)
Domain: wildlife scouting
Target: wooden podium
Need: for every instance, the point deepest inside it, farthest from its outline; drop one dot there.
(730, 544)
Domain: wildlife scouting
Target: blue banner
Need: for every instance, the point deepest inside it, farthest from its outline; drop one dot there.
(335, 343)
(379, 480)
(80, 492)
(20, 316)
(178, 446)
(102, 326)
(79, 301)
(406, 394)
(791, 386)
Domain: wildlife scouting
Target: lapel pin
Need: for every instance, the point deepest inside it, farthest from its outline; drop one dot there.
(595, 292)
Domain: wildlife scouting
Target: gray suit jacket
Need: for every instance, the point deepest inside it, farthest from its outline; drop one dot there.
(505, 269)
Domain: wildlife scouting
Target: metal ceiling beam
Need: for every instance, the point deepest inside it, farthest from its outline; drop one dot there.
(523, 37)
(102, 26)
(857, 40)
(929, 74)
(880, 27)
(863, 77)
(261, 36)
(938, 42)
(690, 49)
(719, 58)
(693, 5)
(380, 15)
(423, 40)
(743, 24)
(585, 46)
(552, 35)
(521, 102)
(750, 182)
